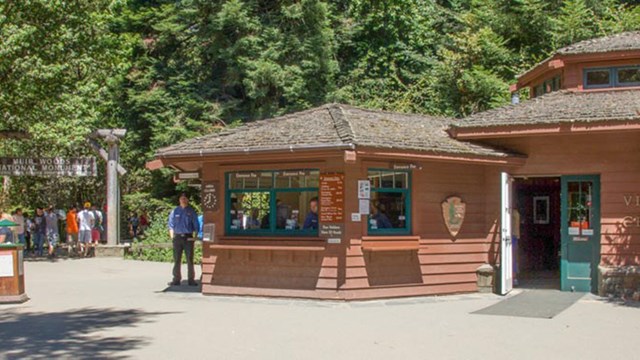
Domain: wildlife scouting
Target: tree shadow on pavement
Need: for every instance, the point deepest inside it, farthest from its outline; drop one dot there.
(622, 302)
(69, 334)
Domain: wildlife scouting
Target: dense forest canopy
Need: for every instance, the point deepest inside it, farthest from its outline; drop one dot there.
(169, 70)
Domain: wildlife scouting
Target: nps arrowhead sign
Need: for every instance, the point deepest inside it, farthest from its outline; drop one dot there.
(57, 166)
(453, 209)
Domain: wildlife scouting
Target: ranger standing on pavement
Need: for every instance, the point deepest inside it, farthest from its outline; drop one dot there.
(183, 226)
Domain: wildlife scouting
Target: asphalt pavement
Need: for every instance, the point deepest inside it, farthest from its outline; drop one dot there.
(122, 309)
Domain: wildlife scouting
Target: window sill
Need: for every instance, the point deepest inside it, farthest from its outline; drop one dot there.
(269, 243)
(390, 243)
(263, 238)
(267, 247)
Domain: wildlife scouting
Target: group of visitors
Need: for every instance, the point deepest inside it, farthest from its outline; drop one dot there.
(84, 228)
(138, 224)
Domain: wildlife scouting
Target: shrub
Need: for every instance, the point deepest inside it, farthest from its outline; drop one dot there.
(157, 246)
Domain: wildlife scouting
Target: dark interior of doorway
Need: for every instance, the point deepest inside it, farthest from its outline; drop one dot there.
(538, 202)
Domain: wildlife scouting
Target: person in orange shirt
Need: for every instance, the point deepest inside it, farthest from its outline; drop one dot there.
(72, 230)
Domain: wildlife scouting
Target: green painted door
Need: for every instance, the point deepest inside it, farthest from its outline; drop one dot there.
(580, 247)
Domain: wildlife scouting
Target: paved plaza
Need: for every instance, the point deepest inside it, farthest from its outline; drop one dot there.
(114, 308)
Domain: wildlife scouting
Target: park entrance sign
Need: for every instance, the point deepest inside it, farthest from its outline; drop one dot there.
(52, 166)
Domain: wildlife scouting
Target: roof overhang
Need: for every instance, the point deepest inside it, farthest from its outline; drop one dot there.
(190, 161)
(562, 128)
(559, 61)
(399, 155)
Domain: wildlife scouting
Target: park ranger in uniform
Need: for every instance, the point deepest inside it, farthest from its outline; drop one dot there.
(183, 226)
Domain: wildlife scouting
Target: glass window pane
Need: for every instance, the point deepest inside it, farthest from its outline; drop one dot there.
(401, 180)
(386, 180)
(556, 83)
(297, 210)
(374, 178)
(266, 180)
(249, 210)
(250, 180)
(313, 179)
(388, 211)
(598, 78)
(538, 91)
(291, 179)
(629, 76)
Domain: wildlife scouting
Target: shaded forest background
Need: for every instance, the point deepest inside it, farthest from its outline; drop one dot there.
(170, 70)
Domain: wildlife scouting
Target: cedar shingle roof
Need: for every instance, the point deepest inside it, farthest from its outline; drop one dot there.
(562, 107)
(335, 125)
(618, 42)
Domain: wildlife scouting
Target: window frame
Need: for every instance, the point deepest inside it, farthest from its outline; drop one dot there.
(617, 81)
(407, 204)
(598, 69)
(614, 82)
(273, 190)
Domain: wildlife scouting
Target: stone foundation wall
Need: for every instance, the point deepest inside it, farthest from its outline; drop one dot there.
(619, 281)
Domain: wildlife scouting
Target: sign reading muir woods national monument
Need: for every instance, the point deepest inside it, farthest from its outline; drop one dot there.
(77, 166)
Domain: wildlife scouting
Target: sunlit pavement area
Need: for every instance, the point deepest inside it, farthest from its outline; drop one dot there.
(113, 308)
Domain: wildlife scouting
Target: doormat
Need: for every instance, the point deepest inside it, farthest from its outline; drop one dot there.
(543, 304)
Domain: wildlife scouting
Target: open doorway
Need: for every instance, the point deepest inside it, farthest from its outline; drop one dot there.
(537, 250)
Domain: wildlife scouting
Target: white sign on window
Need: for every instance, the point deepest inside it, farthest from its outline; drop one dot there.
(208, 232)
(364, 189)
(364, 206)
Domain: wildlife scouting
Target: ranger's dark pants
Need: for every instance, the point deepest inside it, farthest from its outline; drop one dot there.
(180, 243)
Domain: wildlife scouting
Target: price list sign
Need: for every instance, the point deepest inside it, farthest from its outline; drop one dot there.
(331, 198)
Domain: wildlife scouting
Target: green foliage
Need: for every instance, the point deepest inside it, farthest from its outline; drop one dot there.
(156, 245)
(168, 70)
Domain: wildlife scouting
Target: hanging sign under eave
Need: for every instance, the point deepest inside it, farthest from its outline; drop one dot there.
(52, 167)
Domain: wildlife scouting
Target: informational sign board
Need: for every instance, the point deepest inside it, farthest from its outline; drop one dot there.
(331, 198)
(6, 264)
(331, 230)
(52, 167)
(210, 196)
(188, 175)
(364, 189)
(363, 205)
(208, 232)
(403, 166)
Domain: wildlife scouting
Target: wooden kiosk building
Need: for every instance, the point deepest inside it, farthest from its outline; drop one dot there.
(415, 205)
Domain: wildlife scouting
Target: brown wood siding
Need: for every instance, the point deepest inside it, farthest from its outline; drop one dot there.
(574, 71)
(441, 259)
(612, 156)
(268, 270)
(441, 264)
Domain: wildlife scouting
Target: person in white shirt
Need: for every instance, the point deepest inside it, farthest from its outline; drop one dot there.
(85, 225)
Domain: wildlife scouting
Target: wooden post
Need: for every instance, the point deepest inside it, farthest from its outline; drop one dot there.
(113, 203)
(112, 138)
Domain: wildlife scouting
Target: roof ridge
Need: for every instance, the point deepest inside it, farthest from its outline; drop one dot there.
(341, 123)
(570, 47)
